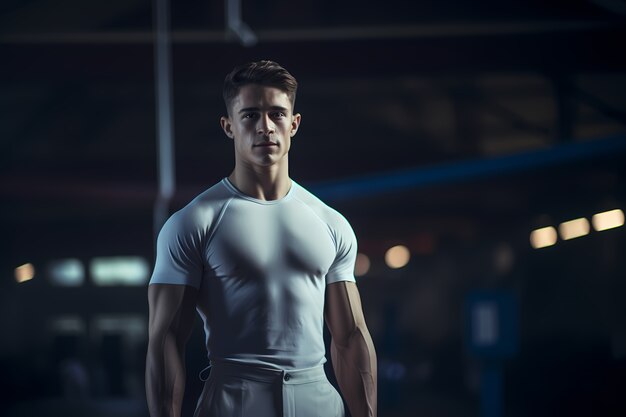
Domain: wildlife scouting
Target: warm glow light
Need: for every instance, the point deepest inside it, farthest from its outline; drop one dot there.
(362, 265)
(608, 220)
(397, 256)
(24, 273)
(574, 228)
(541, 238)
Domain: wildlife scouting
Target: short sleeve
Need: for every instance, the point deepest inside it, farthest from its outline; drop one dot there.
(178, 257)
(342, 268)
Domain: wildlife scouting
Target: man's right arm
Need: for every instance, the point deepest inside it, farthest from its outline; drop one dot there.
(172, 314)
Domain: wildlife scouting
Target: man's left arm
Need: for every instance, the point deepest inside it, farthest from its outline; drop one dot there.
(352, 350)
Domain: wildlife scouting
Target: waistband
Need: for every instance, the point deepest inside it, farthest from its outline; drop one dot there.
(261, 374)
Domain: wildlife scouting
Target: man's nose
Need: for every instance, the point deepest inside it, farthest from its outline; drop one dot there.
(266, 126)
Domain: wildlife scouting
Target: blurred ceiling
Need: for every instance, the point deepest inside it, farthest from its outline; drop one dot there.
(384, 86)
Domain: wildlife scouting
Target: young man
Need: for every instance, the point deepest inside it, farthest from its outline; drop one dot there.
(264, 262)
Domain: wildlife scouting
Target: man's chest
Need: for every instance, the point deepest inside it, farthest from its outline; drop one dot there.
(265, 240)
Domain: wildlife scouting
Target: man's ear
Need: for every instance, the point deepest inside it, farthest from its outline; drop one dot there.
(226, 126)
(295, 124)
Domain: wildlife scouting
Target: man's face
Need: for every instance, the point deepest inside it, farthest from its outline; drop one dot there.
(261, 123)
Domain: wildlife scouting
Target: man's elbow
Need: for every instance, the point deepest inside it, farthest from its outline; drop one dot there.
(160, 339)
(357, 335)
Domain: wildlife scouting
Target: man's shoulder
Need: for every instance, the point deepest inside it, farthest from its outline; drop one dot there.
(204, 208)
(218, 194)
(324, 211)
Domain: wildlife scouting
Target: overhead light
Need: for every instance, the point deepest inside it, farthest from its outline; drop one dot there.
(608, 220)
(574, 228)
(362, 264)
(67, 272)
(128, 270)
(544, 237)
(67, 324)
(397, 256)
(131, 327)
(24, 272)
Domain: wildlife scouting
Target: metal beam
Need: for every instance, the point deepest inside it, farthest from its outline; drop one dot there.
(165, 118)
(336, 33)
(235, 26)
(371, 186)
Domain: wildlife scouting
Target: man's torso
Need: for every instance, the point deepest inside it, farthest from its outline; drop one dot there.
(263, 270)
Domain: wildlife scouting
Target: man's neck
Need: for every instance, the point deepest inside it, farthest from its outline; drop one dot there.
(263, 183)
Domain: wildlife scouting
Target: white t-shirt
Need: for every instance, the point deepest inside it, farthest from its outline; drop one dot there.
(261, 268)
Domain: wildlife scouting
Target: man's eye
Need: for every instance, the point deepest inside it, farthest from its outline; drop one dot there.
(278, 114)
(249, 116)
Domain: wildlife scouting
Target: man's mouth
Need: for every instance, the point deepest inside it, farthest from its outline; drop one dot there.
(267, 144)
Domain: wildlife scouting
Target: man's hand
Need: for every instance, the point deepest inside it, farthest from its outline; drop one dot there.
(352, 350)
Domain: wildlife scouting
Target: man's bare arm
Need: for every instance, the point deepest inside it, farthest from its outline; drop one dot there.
(352, 349)
(172, 314)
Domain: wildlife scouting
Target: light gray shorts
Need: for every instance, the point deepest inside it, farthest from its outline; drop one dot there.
(234, 390)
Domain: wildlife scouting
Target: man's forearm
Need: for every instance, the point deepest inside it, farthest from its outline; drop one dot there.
(165, 379)
(356, 371)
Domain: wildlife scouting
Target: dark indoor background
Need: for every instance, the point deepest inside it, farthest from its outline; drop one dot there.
(454, 128)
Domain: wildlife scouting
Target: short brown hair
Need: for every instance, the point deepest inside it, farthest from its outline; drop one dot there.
(266, 73)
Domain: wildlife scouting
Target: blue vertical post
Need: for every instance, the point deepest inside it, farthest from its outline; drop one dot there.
(491, 335)
(491, 389)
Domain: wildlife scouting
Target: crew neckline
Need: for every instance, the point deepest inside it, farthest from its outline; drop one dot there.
(239, 193)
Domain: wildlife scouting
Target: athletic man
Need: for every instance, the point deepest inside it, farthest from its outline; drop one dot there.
(264, 262)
